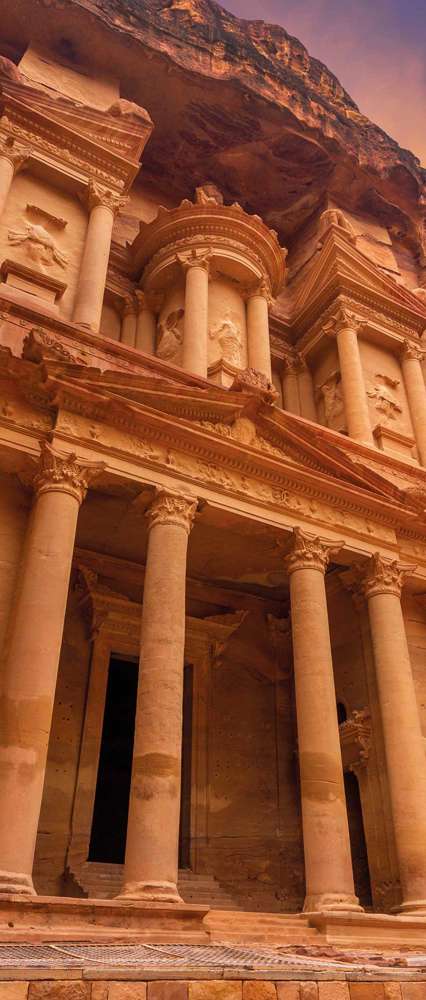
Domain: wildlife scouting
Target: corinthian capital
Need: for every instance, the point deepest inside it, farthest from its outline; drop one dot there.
(17, 155)
(309, 552)
(195, 258)
(64, 473)
(98, 195)
(383, 576)
(412, 352)
(172, 508)
(342, 319)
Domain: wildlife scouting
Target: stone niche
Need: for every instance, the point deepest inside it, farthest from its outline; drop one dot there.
(243, 258)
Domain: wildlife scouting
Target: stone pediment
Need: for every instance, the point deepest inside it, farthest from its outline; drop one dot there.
(232, 427)
(341, 268)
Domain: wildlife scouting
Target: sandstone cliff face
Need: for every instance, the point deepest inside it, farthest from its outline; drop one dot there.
(243, 103)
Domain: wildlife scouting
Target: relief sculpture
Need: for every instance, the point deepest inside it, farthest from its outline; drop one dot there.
(40, 245)
(228, 336)
(170, 336)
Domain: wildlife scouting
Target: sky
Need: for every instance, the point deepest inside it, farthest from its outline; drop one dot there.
(376, 48)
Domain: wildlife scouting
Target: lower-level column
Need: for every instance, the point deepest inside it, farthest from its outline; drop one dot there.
(404, 744)
(151, 864)
(328, 863)
(31, 661)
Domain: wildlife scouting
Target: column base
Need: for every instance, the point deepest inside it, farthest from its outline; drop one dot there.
(336, 902)
(412, 907)
(16, 883)
(152, 892)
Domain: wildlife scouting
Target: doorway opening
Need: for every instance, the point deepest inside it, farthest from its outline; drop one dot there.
(111, 806)
(358, 842)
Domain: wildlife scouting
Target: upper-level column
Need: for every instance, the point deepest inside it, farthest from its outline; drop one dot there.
(306, 391)
(195, 324)
(290, 384)
(103, 206)
(404, 746)
(11, 160)
(411, 361)
(31, 659)
(345, 327)
(258, 345)
(151, 865)
(328, 864)
(146, 322)
(129, 321)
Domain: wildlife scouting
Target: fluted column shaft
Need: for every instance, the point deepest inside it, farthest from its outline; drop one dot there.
(31, 661)
(328, 864)
(103, 205)
(416, 393)
(404, 745)
(195, 323)
(151, 865)
(146, 324)
(258, 345)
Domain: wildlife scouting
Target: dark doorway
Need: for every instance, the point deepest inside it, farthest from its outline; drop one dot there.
(109, 824)
(185, 795)
(358, 842)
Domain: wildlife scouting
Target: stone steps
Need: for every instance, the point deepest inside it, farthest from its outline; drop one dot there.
(243, 927)
(100, 880)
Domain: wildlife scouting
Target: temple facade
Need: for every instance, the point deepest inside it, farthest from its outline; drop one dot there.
(213, 522)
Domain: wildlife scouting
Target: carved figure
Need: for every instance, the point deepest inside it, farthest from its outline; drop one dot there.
(170, 336)
(332, 398)
(385, 401)
(228, 336)
(41, 246)
(335, 217)
(208, 194)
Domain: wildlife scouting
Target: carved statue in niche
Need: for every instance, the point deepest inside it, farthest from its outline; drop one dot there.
(330, 393)
(208, 194)
(40, 245)
(383, 393)
(228, 336)
(335, 217)
(170, 336)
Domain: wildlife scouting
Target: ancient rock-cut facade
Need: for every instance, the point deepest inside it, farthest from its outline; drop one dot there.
(212, 477)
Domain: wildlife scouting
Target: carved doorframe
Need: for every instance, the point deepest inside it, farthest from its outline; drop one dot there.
(114, 623)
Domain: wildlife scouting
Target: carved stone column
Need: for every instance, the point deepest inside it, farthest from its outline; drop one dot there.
(345, 328)
(146, 323)
(11, 160)
(404, 746)
(411, 362)
(290, 385)
(128, 321)
(258, 345)
(195, 323)
(31, 659)
(151, 865)
(306, 392)
(328, 864)
(103, 206)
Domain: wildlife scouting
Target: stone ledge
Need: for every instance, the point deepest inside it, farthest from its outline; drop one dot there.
(214, 989)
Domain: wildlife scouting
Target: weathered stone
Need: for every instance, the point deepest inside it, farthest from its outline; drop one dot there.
(13, 991)
(127, 991)
(288, 991)
(413, 991)
(259, 990)
(392, 991)
(308, 991)
(99, 991)
(167, 990)
(367, 991)
(215, 989)
(59, 990)
(333, 991)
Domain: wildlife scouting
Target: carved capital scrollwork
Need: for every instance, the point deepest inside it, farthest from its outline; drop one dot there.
(195, 258)
(17, 155)
(382, 576)
(129, 306)
(261, 288)
(412, 352)
(309, 552)
(98, 195)
(172, 508)
(343, 318)
(64, 473)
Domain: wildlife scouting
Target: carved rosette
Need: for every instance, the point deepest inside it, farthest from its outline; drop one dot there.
(383, 576)
(309, 552)
(172, 508)
(412, 352)
(64, 473)
(98, 195)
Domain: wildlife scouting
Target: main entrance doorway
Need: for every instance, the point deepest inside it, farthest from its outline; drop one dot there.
(109, 822)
